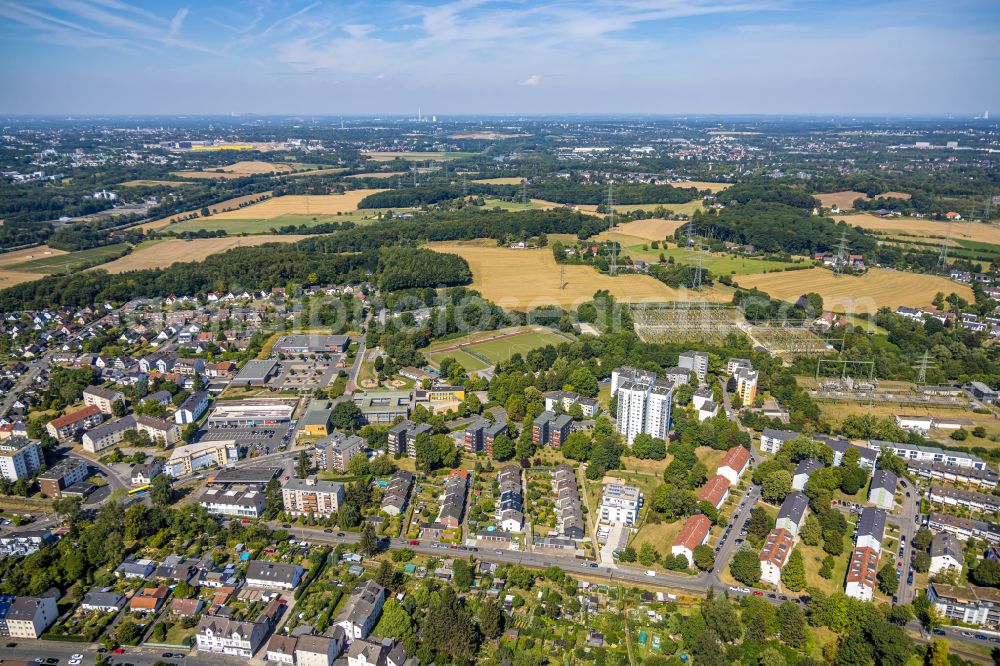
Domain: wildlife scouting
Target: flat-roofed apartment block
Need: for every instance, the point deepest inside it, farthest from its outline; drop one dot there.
(238, 501)
(302, 497)
(62, 475)
(403, 437)
(771, 440)
(630, 374)
(101, 397)
(620, 504)
(774, 555)
(20, 458)
(480, 434)
(335, 451)
(643, 406)
(384, 406)
(746, 384)
(979, 606)
(551, 429)
(695, 361)
(109, 434)
(68, 426)
(564, 400)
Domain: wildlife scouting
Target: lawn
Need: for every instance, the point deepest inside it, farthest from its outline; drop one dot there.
(717, 263)
(489, 352)
(813, 565)
(71, 261)
(836, 412)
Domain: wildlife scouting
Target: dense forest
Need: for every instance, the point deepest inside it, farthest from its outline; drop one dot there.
(408, 268)
(778, 227)
(770, 191)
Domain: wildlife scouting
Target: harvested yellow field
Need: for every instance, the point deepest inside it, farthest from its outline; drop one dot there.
(975, 231)
(160, 254)
(499, 181)
(843, 200)
(9, 278)
(239, 170)
(894, 195)
(703, 185)
(378, 174)
(676, 208)
(28, 254)
(856, 294)
(153, 183)
(522, 279)
(650, 230)
(302, 204)
(222, 206)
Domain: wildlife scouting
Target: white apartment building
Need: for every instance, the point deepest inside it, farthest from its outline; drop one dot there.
(20, 458)
(620, 504)
(644, 408)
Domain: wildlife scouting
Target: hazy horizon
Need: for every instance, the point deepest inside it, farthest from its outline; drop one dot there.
(887, 58)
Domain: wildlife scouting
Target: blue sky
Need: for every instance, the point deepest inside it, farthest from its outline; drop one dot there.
(901, 57)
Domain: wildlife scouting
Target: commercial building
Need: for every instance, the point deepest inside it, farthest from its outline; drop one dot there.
(620, 504)
(946, 554)
(67, 427)
(694, 533)
(20, 458)
(192, 408)
(361, 612)
(792, 513)
(63, 474)
(251, 414)
(774, 555)
(771, 440)
(335, 451)
(734, 464)
(101, 397)
(190, 458)
(255, 373)
(237, 501)
(978, 606)
(384, 406)
(311, 344)
(644, 407)
(882, 492)
(316, 421)
(696, 362)
(403, 436)
(303, 497)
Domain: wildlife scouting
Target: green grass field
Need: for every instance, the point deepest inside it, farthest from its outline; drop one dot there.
(718, 264)
(66, 263)
(481, 355)
(264, 225)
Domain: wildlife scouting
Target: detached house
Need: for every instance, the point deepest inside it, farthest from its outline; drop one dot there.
(361, 612)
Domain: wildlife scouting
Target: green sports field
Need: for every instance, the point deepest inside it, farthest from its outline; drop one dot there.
(489, 352)
(67, 263)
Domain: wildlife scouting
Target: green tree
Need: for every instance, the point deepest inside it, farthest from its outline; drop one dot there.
(462, 575)
(776, 486)
(745, 567)
(771, 657)
(368, 542)
(811, 532)
(346, 416)
(887, 581)
(503, 448)
(937, 654)
(704, 557)
(395, 622)
(302, 465)
(448, 626)
(986, 573)
(647, 554)
(707, 651)
(161, 491)
(491, 619)
(118, 409)
(385, 575)
(792, 624)
(793, 575)
(648, 447)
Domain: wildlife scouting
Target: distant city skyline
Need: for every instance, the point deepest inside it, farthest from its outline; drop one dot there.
(475, 57)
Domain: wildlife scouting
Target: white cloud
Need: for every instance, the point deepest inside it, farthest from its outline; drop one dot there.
(532, 80)
(177, 22)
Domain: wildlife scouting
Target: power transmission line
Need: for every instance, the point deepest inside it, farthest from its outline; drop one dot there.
(611, 227)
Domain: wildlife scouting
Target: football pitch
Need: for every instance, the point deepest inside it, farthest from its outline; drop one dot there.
(486, 349)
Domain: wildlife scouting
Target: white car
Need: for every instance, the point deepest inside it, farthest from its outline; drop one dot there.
(77, 656)
(650, 572)
(75, 662)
